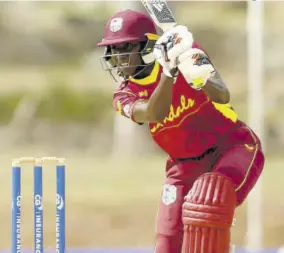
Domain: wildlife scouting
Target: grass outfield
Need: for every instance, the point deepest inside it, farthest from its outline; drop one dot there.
(112, 203)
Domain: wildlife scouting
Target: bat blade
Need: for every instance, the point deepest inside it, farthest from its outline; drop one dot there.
(160, 12)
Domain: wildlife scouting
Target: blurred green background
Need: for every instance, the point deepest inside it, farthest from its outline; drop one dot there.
(55, 100)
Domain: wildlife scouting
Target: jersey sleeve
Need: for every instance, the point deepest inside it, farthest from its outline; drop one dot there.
(123, 103)
(196, 45)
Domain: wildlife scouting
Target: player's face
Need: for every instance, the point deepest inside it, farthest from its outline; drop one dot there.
(128, 57)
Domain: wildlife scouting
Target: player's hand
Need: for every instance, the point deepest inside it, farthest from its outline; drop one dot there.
(169, 46)
(196, 67)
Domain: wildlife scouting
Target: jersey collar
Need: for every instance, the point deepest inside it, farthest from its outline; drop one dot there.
(149, 79)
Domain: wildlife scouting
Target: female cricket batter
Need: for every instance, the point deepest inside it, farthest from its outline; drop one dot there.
(214, 158)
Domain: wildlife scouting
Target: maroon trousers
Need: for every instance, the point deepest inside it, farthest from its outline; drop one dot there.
(239, 156)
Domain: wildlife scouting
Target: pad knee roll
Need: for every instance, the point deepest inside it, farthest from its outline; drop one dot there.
(207, 215)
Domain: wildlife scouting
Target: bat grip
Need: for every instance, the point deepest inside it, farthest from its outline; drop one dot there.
(165, 52)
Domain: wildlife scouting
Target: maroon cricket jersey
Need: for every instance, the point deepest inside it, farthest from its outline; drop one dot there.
(194, 123)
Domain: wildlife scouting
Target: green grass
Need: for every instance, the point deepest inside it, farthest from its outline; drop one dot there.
(113, 202)
(61, 104)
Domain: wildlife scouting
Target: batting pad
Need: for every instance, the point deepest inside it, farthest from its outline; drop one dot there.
(207, 215)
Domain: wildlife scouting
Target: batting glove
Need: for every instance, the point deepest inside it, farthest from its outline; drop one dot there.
(196, 67)
(170, 46)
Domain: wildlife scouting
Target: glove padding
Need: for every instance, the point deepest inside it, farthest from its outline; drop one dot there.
(170, 46)
(195, 67)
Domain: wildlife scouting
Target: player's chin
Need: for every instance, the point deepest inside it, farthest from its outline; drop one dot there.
(129, 71)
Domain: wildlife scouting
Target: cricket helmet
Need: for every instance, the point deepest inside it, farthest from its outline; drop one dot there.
(128, 26)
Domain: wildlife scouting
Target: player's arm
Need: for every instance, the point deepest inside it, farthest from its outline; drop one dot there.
(174, 41)
(200, 73)
(157, 107)
(216, 89)
(140, 111)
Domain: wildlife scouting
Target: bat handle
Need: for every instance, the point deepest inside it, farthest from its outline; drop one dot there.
(165, 52)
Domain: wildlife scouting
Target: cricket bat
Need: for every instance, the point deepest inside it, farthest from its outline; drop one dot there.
(163, 17)
(160, 13)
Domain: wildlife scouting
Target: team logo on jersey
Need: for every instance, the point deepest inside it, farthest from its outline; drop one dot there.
(116, 24)
(143, 93)
(169, 194)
